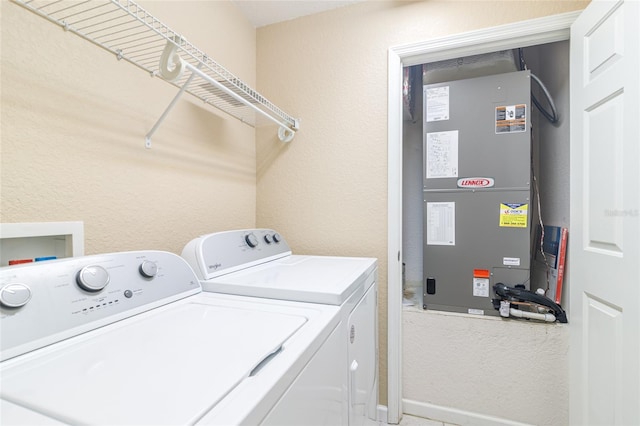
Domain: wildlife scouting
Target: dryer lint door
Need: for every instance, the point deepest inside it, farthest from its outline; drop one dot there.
(363, 359)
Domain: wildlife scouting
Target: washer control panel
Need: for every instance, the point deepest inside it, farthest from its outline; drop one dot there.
(220, 253)
(43, 302)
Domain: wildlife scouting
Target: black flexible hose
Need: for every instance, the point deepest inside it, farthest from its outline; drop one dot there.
(551, 116)
(529, 296)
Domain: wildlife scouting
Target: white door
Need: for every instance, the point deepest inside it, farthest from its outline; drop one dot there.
(604, 246)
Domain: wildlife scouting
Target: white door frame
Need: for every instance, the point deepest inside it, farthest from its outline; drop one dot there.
(521, 34)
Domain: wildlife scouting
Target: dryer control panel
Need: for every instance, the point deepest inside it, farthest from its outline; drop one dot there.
(42, 303)
(221, 253)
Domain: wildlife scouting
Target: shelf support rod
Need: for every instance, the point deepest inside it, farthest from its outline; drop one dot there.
(147, 139)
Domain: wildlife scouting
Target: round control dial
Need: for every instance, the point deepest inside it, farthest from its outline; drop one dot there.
(148, 269)
(268, 239)
(277, 238)
(93, 278)
(251, 240)
(15, 295)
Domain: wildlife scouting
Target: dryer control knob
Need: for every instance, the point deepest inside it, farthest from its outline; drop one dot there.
(268, 239)
(251, 240)
(277, 238)
(148, 269)
(92, 278)
(15, 295)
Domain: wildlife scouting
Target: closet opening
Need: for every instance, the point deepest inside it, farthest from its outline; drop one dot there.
(549, 156)
(415, 357)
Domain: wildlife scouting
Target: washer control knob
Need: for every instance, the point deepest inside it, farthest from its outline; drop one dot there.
(15, 295)
(148, 269)
(268, 239)
(251, 240)
(93, 278)
(277, 238)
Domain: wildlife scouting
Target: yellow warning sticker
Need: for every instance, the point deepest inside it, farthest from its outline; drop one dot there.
(514, 215)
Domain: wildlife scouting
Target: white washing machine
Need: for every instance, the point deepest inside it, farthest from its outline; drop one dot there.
(131, 339)
(259, 263)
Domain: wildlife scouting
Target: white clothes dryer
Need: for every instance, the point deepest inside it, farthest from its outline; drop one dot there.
(260, 263)
(130, 338)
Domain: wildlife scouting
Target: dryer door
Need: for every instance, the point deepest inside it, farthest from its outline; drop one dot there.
(363, 359)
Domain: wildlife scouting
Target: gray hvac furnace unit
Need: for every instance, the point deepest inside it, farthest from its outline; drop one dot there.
(477, 176)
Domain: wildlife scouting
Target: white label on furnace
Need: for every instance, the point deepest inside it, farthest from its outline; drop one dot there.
(437, 103)
(481, 287)
(511, 261)
(442, 154)
(441, 224)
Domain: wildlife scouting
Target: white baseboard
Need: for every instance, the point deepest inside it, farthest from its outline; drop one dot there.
(382, 414)
(452, 415)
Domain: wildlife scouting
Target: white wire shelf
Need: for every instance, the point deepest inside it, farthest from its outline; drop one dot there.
(132, 34)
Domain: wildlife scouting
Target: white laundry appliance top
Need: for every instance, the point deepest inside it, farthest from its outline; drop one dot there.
(147, 347)
(259, 262)
(317, 279)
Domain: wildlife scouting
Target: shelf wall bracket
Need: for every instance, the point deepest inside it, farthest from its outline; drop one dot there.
(171, 69)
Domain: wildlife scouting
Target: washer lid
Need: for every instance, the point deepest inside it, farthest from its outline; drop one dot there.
(317, 279)
(170, 367)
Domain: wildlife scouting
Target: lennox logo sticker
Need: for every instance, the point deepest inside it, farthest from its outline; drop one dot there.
(476, 182)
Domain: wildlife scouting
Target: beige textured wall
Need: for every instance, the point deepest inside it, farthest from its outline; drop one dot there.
(73, 125)
(510, 370)
(326, 190)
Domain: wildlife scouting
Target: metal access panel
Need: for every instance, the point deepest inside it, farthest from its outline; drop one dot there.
(476, 178)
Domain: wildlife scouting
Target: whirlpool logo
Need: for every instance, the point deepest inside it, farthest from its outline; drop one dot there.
(476, 182)
(215, 266)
